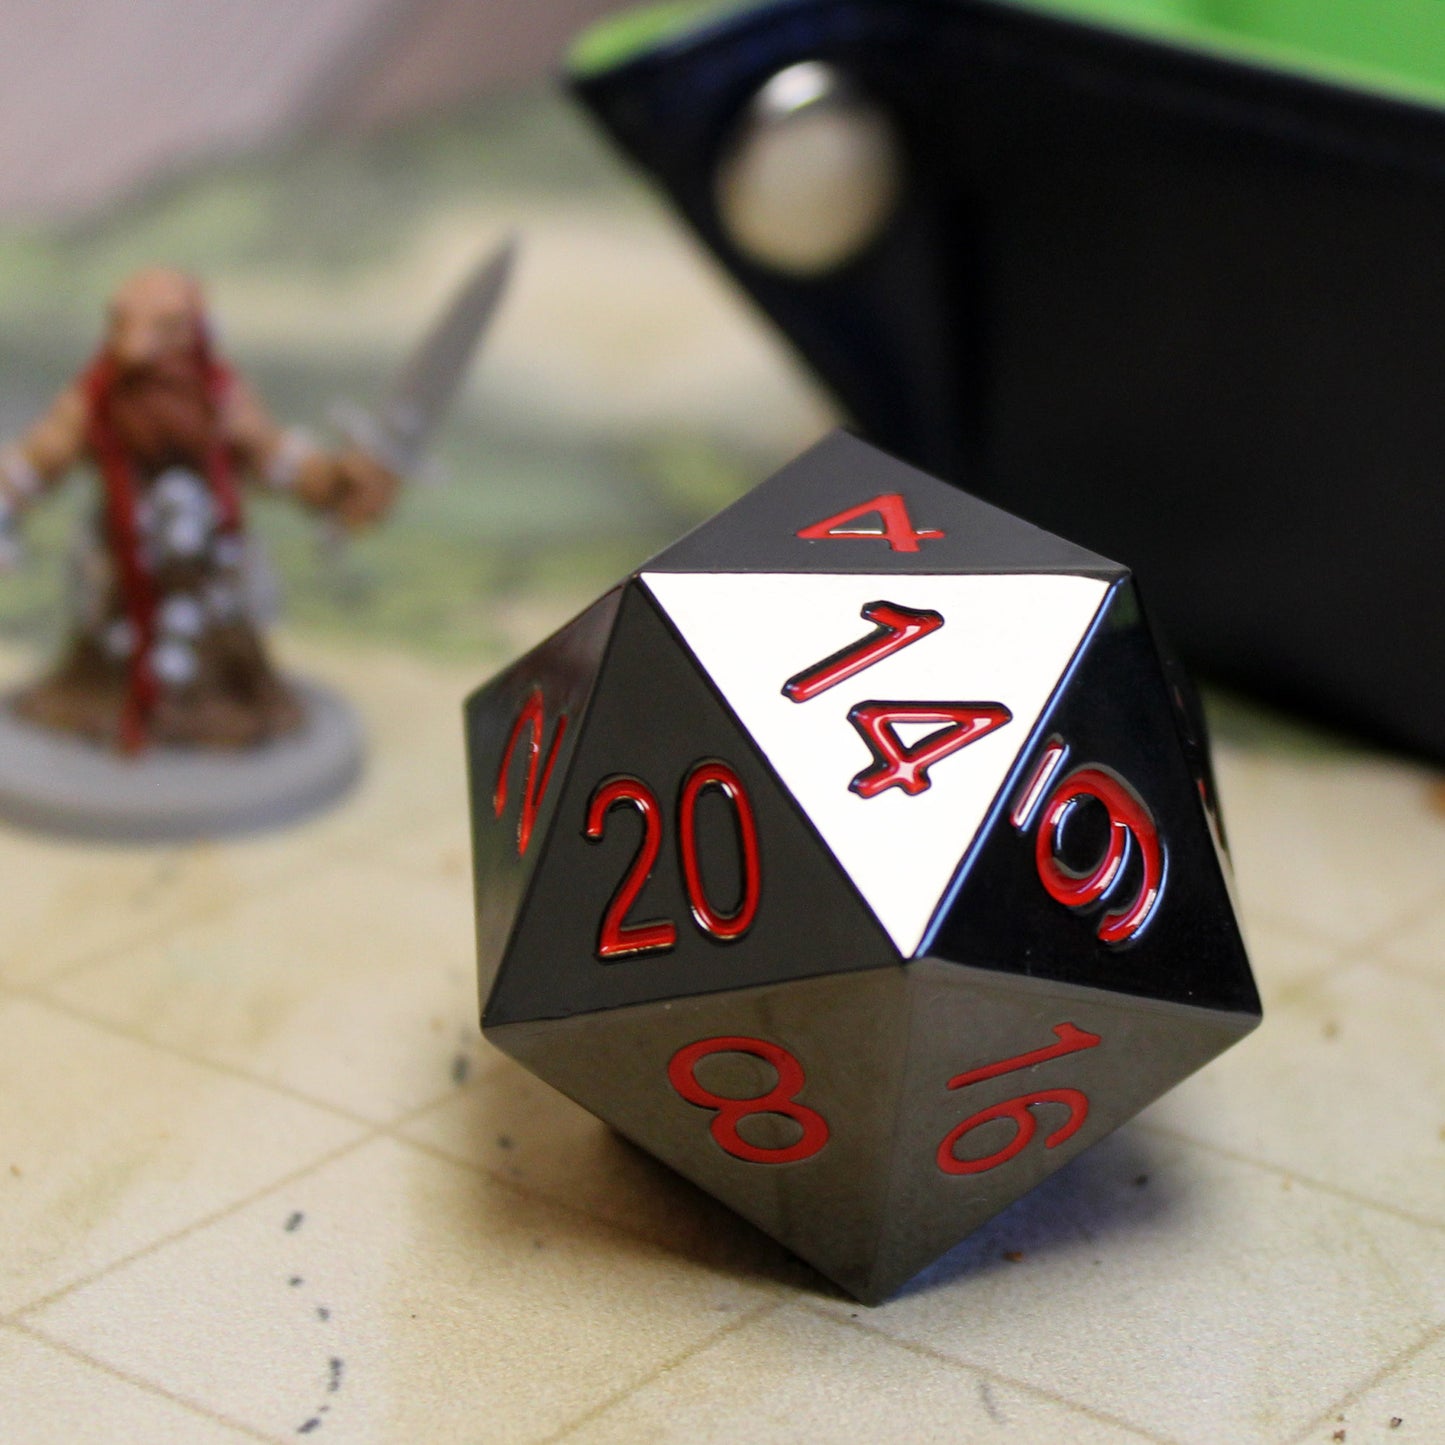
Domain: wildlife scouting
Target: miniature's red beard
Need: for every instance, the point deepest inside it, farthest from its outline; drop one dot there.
(162, 411)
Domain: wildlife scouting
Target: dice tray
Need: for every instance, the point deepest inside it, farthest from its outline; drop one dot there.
(1178, 303)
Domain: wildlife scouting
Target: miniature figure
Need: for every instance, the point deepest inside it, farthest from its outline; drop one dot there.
(164, 698)
(164, 646)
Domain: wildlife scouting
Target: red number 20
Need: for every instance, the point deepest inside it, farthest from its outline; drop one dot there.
(782, 1099)
(616, 937)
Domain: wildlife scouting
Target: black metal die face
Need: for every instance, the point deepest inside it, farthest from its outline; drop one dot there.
(522, 731)
(609, 918)
(1113, 724)
(1007, 1080)
(779, 1100)
(867, 885)
(764, 530)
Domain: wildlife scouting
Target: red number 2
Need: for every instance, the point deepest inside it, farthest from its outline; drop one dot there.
(782, 1099)
(617, 938)
(1070, 1040)
(530, 719)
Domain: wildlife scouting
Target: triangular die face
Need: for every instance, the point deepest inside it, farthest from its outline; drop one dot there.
(522, 730)
(1163, 926)
(1077, 1061)
(909, 522)
(989, 649)
(831, 1050)
(655, 881)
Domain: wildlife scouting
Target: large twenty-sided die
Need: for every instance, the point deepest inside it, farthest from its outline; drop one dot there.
(857, 857)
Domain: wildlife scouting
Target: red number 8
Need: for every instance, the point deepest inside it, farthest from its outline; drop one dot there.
(780, 1099)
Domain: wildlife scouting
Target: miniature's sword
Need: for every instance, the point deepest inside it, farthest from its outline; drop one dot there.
(399, 432)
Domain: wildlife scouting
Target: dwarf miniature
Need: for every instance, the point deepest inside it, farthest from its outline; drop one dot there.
(165, 646)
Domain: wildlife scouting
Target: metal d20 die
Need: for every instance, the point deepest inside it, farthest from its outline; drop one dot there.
(858, 857)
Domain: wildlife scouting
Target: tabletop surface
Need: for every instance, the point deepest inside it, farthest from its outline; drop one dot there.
(260, 1176)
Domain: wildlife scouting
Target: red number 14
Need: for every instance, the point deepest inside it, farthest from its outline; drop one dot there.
(895, 764)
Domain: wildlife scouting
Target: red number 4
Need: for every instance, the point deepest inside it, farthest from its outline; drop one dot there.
(895, 525)
(897, 766)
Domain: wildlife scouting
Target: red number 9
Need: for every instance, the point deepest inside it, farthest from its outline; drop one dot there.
(1129, 819)
(780, 1099)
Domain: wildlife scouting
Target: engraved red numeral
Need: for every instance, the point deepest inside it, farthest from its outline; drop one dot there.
(1052, 758)
(724, 926)
(782, 1099)
(897, 628)
(895, 526)
(531, 720)
(617, 938)
(1018, 1112)
(897, 766)
(1071, 1039)
(1131, 826)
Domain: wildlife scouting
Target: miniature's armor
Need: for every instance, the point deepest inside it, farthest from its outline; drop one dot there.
(164, 644)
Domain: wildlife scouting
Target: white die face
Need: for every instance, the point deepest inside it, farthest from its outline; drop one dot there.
(1005, 640)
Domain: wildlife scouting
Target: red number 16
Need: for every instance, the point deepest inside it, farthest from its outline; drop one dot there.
(1018, 1111)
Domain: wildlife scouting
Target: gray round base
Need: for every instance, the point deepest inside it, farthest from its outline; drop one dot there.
(59, 784)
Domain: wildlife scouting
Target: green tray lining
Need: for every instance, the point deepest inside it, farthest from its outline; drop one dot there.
(1393, 47)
